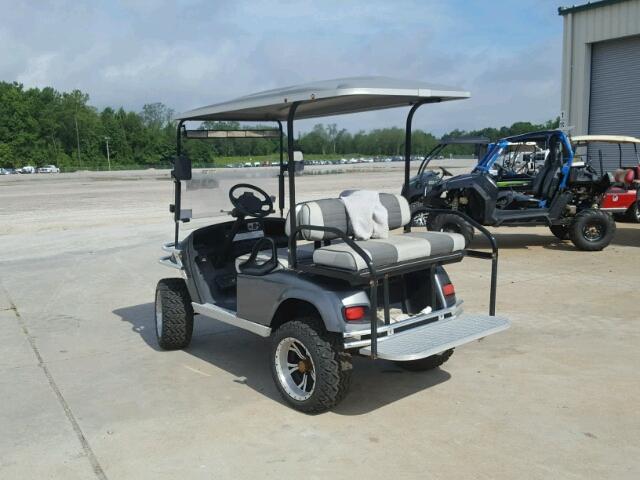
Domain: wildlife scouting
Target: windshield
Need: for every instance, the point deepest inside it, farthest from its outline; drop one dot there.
(608, 156)
(206, 195)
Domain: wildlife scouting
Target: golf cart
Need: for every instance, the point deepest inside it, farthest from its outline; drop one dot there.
(320, 294)
(426, 178)
(560, 195)
(623, 198)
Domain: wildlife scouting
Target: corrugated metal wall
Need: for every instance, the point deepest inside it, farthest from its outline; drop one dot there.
(582, 29)
(614, 106)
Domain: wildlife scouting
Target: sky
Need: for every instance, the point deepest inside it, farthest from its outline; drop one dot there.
(191, 53)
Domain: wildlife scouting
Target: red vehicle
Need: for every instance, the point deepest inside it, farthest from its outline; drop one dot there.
(623, 197)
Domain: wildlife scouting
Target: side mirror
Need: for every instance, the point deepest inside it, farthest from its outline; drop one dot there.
(181, 168)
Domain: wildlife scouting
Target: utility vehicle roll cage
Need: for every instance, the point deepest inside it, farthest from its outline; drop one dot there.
(477, 142)
(332, 97)
(543, 136)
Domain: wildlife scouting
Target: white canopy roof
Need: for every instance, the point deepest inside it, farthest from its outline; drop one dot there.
(325, 98)
(604, 138)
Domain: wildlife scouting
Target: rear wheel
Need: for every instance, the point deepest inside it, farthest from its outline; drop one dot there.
(174, 314)
(429, 363)
(633, 214)
(592, 230)
(309, 366)
(560, 231)
(454, 224)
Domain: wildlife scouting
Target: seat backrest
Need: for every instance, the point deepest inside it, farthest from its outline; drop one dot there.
(629, 177)
(398, 209)
(331, 212)
(542, 177)
(328, 212)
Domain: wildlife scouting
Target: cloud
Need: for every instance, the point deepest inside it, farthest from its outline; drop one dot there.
(191, 53)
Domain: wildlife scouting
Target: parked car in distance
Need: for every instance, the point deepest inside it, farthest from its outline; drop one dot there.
(7, 171)
(48, 169)
(27, 169)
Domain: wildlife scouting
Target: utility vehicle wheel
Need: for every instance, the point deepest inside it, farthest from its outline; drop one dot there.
(429, 363)
(174, 314)
(633, 214)
(309, 367)
(592, 230)
(560, 231)
(454, 224)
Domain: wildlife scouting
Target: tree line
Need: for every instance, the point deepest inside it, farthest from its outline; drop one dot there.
(44, 126)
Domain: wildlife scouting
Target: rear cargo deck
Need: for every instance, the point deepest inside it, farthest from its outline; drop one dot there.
(436, 337)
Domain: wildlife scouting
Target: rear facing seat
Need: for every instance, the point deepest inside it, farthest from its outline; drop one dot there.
(382, 252)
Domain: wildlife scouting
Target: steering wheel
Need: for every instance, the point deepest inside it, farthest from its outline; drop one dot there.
(502, 171)
(247, 204)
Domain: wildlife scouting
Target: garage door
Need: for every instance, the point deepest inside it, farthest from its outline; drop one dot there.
(614, 107)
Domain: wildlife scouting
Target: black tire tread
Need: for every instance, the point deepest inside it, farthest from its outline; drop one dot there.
(466, 230)
(632, 214)
(575, 230)
(333, 365)
(428, 363)
(177, 314)
(561, 232)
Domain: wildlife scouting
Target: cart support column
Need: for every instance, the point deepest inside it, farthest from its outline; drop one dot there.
(373, 315)
(494, 283)
(281, 174)
(293, 258)
(177, 187)
(407, 153)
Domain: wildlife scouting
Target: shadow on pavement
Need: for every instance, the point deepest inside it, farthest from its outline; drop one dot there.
(625, 236)
(245, 356)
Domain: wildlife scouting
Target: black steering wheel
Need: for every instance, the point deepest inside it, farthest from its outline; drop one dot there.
(247, 204)
(501, 170)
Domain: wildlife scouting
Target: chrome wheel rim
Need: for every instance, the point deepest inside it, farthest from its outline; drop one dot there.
(592, 232)
(419, 219)
(158, 315)
(295, 369)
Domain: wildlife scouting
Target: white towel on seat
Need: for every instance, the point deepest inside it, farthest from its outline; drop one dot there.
(367, 215)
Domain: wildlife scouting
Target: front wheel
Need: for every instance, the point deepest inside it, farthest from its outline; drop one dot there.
(449, 222)
(174, 314)
(309, 366)
(428, 363)
(592, 230)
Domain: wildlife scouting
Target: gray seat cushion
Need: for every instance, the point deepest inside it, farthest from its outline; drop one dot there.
(383, 252)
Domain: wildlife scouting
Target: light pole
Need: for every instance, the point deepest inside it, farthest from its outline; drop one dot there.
(77, 138)
(106, 139)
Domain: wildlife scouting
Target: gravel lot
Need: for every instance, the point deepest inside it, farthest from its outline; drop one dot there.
(86, 393)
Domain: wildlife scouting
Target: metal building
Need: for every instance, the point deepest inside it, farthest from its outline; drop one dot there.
(601, 69)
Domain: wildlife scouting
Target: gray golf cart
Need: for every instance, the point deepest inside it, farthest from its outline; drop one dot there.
(304, 280)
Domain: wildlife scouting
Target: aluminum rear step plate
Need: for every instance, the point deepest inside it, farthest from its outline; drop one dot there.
(436, 337)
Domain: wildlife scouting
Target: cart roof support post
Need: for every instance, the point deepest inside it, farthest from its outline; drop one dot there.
(407, 152)
(177, 185)
(293, 260)
(281, 174)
